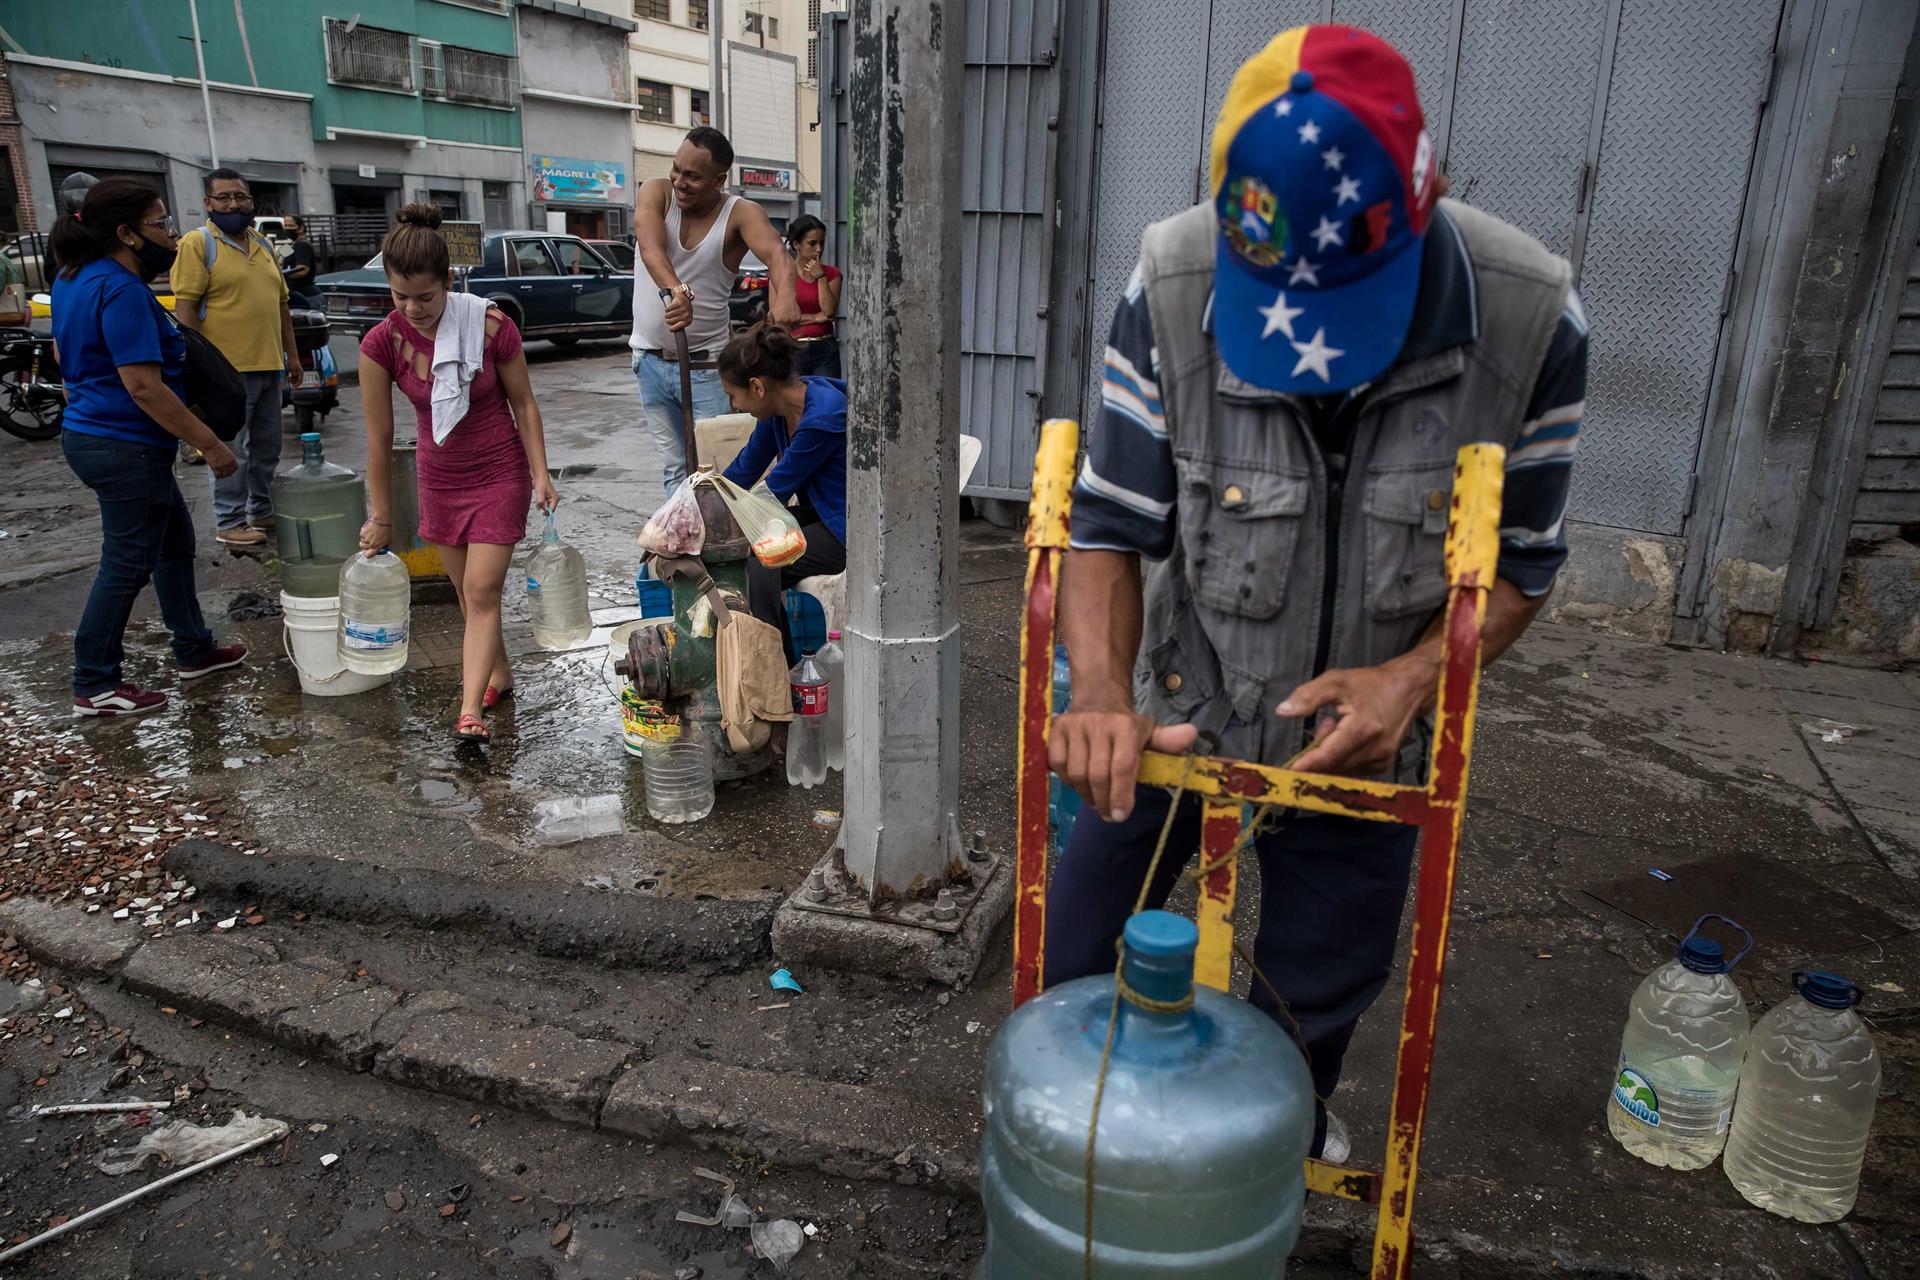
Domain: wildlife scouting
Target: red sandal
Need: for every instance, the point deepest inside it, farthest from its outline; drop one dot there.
(471, 728)
(494, 697)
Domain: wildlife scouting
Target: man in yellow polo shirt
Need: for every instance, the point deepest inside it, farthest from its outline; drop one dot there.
(241, 305)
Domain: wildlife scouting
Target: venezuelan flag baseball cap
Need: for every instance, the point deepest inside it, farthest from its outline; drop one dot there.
(1323, 182)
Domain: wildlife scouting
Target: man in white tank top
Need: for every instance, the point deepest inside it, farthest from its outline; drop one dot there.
(692, 237)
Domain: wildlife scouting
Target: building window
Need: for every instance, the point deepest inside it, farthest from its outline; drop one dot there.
(697, 15)
(653, 101)
(699, 97)
(813, 57)
(369, 57)
(476, 76)
(658, 10)
(451, 201)
(497, 198)
(758, 24)
(813, 15)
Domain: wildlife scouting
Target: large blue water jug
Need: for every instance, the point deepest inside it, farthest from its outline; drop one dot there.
(1063, 802)
(1203, 1137)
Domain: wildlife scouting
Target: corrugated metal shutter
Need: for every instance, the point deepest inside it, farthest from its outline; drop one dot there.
(1889, 493)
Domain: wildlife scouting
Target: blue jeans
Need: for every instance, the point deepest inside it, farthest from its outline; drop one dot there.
(248, 492)
(146, 535)
(1331, 892)
(660, 398)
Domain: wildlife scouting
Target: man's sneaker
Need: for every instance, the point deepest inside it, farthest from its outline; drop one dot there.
(240, 535)
(222, 657)
(1339, 1144)
(127, 700)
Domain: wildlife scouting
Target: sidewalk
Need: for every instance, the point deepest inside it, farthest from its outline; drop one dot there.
(414, 933)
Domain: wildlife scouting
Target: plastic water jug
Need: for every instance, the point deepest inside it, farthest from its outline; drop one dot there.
(318, 508)
(833, 665)
(1063, 802)
(1673, 1087)
(678, 762)
(557, 592)
(807, 735)
(375, 594)
(1807, 1093)
(1203, 1132)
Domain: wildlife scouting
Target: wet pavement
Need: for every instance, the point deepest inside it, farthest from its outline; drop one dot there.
(1597, 759)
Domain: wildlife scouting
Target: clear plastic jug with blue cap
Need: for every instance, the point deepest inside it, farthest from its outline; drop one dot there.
(1807, 1094)
(1679, 1068)
(1204, 1126)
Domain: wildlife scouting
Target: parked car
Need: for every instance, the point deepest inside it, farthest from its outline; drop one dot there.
(26, 255)
(551, 286)
(748, 304)
(619, 252)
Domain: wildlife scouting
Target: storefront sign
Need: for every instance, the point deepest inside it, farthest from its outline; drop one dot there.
(565, 180)
(368, 171)
(766, 179)
(463, 243)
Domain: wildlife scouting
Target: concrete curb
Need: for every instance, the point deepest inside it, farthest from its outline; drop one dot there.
(564, 921)
(444, 1042)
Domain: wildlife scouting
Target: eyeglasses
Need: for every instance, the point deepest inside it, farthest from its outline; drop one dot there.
(231, 198)
(166, 224)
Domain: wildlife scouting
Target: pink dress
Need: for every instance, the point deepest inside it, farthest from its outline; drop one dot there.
(474, 487)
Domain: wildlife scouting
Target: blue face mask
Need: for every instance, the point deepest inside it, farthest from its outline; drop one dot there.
(232, 221)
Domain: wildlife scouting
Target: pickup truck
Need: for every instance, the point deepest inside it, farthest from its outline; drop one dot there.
(551, 286)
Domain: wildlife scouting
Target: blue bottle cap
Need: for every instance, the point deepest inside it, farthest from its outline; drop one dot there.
(1703, 955)
(1828, 990)
(308, 437)
(1161, 933)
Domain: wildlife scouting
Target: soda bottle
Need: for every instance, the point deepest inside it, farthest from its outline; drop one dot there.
(807, 736)
(1672, 1096)
(833, 665)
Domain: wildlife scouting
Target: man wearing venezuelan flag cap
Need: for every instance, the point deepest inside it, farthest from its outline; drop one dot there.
(1290, 372)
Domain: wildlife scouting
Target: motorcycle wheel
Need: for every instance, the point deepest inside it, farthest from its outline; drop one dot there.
(29, 412)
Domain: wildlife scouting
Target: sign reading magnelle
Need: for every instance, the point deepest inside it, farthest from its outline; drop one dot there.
(565, 179)
(766, 179)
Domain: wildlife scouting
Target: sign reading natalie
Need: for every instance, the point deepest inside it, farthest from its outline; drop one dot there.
(766, 179)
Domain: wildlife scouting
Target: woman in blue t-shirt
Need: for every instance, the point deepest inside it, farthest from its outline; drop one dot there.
(802, 433)
(122, 357)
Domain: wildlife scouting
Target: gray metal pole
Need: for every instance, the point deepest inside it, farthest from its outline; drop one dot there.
(903, 438)
(716, 41)
(200, 62)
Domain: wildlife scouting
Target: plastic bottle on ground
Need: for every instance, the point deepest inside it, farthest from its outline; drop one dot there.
(1807, 1094)
(833, 665)
(557, 592)
(807, 735)
(375, 596)
(1673, 1087)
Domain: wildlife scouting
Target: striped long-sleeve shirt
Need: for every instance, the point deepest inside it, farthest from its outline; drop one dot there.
(1124, 498)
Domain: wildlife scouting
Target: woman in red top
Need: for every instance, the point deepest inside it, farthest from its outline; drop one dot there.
(477, 470)
(818, 293)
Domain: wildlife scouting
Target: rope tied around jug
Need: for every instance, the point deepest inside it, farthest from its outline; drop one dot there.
(1249, 832)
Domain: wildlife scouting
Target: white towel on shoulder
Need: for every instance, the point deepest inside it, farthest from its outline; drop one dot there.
(458, 347)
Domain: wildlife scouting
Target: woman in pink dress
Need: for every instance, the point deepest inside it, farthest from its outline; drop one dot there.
(478, 469)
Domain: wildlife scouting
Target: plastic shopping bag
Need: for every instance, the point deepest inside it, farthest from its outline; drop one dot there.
(677, 528)
(771, 528)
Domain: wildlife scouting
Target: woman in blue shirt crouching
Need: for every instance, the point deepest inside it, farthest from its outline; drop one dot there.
(802, 434)
(122, 358)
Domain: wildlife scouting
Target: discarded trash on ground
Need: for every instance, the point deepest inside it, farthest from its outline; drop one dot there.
(1831, 731)
(736, 1214)
(826, 819)
(183, 1142)
(778, 1241)
(84, 1108)
(249, 606)
(781, 980)
(328, 1160)
(726, 1195)
(570, 818)
(1658, 874)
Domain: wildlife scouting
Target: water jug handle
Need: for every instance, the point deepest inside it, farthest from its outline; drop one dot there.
(549, 535)
(1800, 974)
(1726, 920)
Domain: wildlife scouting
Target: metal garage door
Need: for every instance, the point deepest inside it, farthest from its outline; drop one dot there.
(1620, 132)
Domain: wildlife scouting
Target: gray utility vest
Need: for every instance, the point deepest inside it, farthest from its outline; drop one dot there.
(1233, 616)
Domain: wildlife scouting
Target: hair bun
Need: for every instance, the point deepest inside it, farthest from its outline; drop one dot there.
(420, 214)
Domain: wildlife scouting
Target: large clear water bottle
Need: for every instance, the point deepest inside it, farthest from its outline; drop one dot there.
(807, 735)
(1203, 1131)
(557, 592)
(1673, 1088)
(318, 508)
(833, 665)
(1806, 1103)
(375, 594)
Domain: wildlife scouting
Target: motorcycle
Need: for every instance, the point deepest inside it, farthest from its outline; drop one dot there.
(32, 399)
(319, 392)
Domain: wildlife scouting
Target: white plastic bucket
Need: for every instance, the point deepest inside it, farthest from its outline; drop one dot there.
(312, 642)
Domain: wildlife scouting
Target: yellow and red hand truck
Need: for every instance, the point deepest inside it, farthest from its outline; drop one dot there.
(1228, 786)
